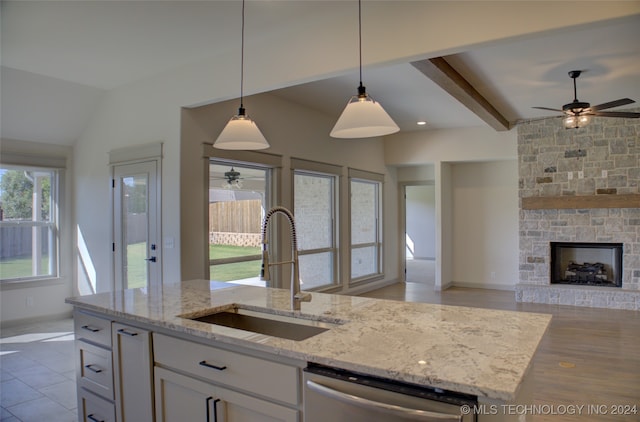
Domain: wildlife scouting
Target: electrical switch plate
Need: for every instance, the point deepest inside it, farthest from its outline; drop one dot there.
(570, 175)
(604, 174)
(581, 175)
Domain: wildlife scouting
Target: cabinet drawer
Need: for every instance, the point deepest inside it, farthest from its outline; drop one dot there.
(248, 373)
(95, 369)
(94, 408)
(93, 329)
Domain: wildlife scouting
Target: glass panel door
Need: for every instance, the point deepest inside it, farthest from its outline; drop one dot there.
(135, 227)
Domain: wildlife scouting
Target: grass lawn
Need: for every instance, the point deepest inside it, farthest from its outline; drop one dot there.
(20, 267)
(137, 266)
(235, 271)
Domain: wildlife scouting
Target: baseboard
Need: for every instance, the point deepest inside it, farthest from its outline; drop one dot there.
(33, 320)
(488, 286)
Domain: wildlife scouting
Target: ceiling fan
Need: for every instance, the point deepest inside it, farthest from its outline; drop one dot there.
(578, 113)
(232, 179)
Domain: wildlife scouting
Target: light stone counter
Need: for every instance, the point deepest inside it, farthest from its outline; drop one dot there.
(470, 350)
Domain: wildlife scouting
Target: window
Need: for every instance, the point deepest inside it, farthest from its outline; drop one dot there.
(366, 242)
(28, 223)
(314, 210)
(237, 202)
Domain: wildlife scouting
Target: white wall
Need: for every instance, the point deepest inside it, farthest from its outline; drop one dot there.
(149, 110)
(45, 297)
(485, 229)
(476, 184)
(420, 203)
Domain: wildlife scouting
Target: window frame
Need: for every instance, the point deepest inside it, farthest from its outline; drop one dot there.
(333, 173)
(56, 169)
(376, 179)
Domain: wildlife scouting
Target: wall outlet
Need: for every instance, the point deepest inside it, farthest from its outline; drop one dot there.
(29, 302)
(493, 275)
(604, 174)
(581, 174)
(570, 175)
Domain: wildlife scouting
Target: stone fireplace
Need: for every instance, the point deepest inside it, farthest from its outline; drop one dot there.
(580, 187)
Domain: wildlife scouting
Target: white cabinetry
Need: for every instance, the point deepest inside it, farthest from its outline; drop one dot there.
(114, 370)
(198, 382)
(133, 376)
(94, 369)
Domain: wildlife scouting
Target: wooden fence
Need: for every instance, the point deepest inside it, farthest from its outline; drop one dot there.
(236, 216)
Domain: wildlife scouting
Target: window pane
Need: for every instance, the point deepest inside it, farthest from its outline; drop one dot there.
(316, 270)
(237, 200)
(134, 190)
(364, 261)
(27, 224)
(313, 209)
(364, 212)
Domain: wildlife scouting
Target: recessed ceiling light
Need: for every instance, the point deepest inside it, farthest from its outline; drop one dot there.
(422, 123)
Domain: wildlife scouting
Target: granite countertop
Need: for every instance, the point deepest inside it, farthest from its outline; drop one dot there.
(470, 350)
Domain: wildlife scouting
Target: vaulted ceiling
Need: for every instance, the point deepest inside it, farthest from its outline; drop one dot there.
(59, 59)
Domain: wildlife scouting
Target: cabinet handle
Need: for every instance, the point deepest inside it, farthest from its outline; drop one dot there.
(90, 328)
(91, 368)
(92, 418)
(215, 410)
(128, 333)
(208, 365)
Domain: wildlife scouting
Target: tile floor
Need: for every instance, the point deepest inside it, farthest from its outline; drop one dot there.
(37, 367)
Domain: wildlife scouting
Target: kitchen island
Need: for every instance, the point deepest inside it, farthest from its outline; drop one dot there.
(477, 352)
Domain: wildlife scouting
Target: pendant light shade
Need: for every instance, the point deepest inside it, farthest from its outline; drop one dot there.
(363, 117)
(241, 133)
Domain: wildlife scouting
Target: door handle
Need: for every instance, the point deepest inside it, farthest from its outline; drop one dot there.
(152, 259)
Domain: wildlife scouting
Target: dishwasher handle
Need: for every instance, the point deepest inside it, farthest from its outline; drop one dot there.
(405, 412)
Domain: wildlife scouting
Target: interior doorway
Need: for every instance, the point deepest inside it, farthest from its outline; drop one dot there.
(420, 233)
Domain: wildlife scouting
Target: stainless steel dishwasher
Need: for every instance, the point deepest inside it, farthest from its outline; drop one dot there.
(336, 395)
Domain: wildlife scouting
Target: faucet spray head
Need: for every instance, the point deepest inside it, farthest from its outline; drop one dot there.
(264, 270)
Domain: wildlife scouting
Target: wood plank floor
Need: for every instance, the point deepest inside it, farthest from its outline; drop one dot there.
(589, 357)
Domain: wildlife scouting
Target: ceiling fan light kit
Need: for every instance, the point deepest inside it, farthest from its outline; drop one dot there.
(241, 133)
(578, 113)
(363, 117)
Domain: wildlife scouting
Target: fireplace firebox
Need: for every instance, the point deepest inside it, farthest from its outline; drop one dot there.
(592, 264)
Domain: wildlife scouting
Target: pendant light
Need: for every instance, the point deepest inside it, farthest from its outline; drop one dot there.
(241, 133)
(363, 117)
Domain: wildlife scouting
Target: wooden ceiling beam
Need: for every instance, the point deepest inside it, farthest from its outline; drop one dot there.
(441, 72)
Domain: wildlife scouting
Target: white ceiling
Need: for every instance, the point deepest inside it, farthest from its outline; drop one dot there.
(59, 58)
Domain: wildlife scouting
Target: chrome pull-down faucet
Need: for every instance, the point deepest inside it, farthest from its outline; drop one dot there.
(296, 295)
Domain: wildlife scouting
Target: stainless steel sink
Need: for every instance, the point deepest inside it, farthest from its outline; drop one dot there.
(283, 326)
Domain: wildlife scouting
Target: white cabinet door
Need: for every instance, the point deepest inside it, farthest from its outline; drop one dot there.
(181, 399)
(133, 367)
(237, 407)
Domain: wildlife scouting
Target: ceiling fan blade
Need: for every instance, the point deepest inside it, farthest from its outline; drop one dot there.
(626, 114)
(547, 108)
(611, 104)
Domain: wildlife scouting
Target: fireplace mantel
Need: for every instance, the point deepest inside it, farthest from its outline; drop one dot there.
(581, 202)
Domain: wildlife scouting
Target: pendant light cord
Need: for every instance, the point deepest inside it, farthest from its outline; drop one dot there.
(242, 64)
(360, 36)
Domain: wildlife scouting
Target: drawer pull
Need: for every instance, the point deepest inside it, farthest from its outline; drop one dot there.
(93, 368)
(208, 365)
(93, 418)
(128, 333)
(90, 328)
